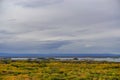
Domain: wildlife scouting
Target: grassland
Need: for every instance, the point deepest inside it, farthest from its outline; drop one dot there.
(59, 70)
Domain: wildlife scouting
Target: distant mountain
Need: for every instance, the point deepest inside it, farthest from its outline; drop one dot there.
(58, 55)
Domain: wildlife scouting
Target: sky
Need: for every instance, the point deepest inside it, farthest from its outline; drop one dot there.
(60, 26)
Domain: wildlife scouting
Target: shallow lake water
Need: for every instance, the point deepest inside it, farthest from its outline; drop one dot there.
(94, 59)
(79, 59)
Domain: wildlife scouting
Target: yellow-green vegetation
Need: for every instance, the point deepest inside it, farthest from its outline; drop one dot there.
(59, 70)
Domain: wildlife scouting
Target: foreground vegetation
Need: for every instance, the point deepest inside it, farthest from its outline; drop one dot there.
(59, 70)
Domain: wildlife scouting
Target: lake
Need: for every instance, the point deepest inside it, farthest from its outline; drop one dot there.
(79, 59)
(94, 59)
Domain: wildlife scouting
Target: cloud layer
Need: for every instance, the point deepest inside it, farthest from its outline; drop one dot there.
(60, 26)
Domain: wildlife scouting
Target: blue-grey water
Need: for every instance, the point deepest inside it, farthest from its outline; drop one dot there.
(94, 59)
(22, 58)
(79, 59)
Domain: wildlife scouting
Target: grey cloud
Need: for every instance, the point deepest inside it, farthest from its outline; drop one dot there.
(73, 26)
(92, 46)
(3, 32)
(1, 9)
(33, 46)
(12, 20)
(38, 3)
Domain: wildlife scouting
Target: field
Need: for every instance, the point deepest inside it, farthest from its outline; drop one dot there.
(59, 70)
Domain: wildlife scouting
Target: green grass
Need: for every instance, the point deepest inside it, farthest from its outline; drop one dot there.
(59, 70)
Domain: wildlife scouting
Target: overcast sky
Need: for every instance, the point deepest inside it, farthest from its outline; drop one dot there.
(59, 26)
